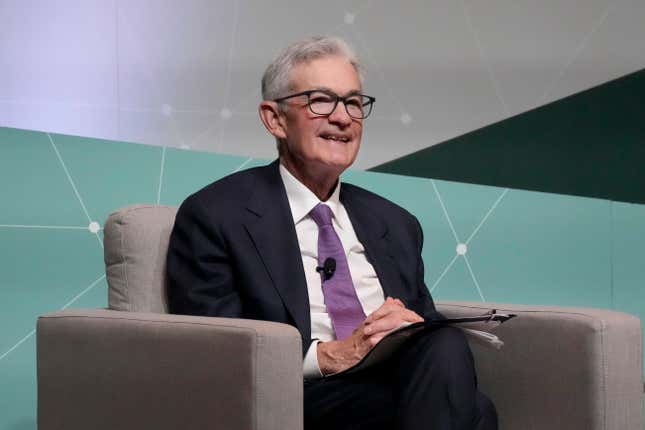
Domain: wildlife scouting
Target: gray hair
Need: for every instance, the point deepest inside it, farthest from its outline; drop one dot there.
(276, 79)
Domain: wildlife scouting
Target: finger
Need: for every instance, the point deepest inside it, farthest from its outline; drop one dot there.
(407, 315)
(373, 340)
(386, 308)
(391, 321)
(383, 325)
(395, 301)
(385, 311)
(377, 337)
(411, 316)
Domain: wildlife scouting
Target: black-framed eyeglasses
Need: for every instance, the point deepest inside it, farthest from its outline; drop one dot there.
(323, 102)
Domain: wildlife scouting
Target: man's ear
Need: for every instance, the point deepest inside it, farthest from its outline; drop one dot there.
(272, 118)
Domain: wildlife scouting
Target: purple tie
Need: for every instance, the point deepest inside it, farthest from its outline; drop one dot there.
(340, 296)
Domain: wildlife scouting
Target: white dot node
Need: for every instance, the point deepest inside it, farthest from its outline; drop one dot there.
(349, 18)
(184, 146)
(166, 109)
(94, 227)
(226, 113)
(462, 248)
(406, 118)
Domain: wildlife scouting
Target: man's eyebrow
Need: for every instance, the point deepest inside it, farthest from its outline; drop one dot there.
(329, 90)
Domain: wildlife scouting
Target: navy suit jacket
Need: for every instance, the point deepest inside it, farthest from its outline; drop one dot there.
(234, 252)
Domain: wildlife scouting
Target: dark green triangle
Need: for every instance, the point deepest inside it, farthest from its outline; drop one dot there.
(589, 144)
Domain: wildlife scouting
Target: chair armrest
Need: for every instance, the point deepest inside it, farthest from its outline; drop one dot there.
(104, 369)
(561, 367)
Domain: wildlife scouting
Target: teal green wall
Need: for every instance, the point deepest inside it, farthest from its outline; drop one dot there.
(590, 144)
(523, 247)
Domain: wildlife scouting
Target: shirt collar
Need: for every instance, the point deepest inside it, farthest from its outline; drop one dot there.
(302, 200)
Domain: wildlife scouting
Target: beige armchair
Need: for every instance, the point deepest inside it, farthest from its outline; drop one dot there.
(136, 367)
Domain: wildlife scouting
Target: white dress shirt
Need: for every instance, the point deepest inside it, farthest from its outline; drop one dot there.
(368, 288)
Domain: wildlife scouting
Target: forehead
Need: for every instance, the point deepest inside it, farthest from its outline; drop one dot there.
(333, 72)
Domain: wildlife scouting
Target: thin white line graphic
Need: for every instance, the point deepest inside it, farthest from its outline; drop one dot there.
(444, 272)
(31, 333)
(128, 29)
(216, 122)
(229, 68)
(489, 69)
(445, 212)
(69, 177)
(247, 161)
(381, 74)
(472, 275)
(175, 129)
(71, 181)
(20, 342)
(161, 170)
(490, 211)
(99, 239)
(481, 223)
(79, 295)
(574, 57)
(50, 227)
(231, 51)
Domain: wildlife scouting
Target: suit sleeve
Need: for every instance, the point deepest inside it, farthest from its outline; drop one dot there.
(199, 272)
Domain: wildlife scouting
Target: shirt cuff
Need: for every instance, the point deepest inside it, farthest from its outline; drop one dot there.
(310, 368)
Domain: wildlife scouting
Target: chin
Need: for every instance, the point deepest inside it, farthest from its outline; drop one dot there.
(342, 157)
(338, 162)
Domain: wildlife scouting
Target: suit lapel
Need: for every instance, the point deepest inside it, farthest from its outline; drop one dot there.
(372, 232)
(270, 225)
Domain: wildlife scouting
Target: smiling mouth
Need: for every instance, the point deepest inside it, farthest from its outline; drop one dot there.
(335, 138)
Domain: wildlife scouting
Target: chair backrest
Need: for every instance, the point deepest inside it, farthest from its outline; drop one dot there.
(136, 244)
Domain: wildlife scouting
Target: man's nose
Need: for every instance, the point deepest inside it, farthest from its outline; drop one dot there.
(339, 115)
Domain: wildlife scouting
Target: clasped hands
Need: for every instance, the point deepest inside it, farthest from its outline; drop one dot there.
(338, 355)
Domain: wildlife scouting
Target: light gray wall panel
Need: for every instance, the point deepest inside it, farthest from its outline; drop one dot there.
(186, 73)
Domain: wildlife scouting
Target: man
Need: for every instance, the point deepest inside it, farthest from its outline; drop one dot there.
(289, 243)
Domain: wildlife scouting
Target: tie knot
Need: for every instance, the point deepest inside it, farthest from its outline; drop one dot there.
(321, 214)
